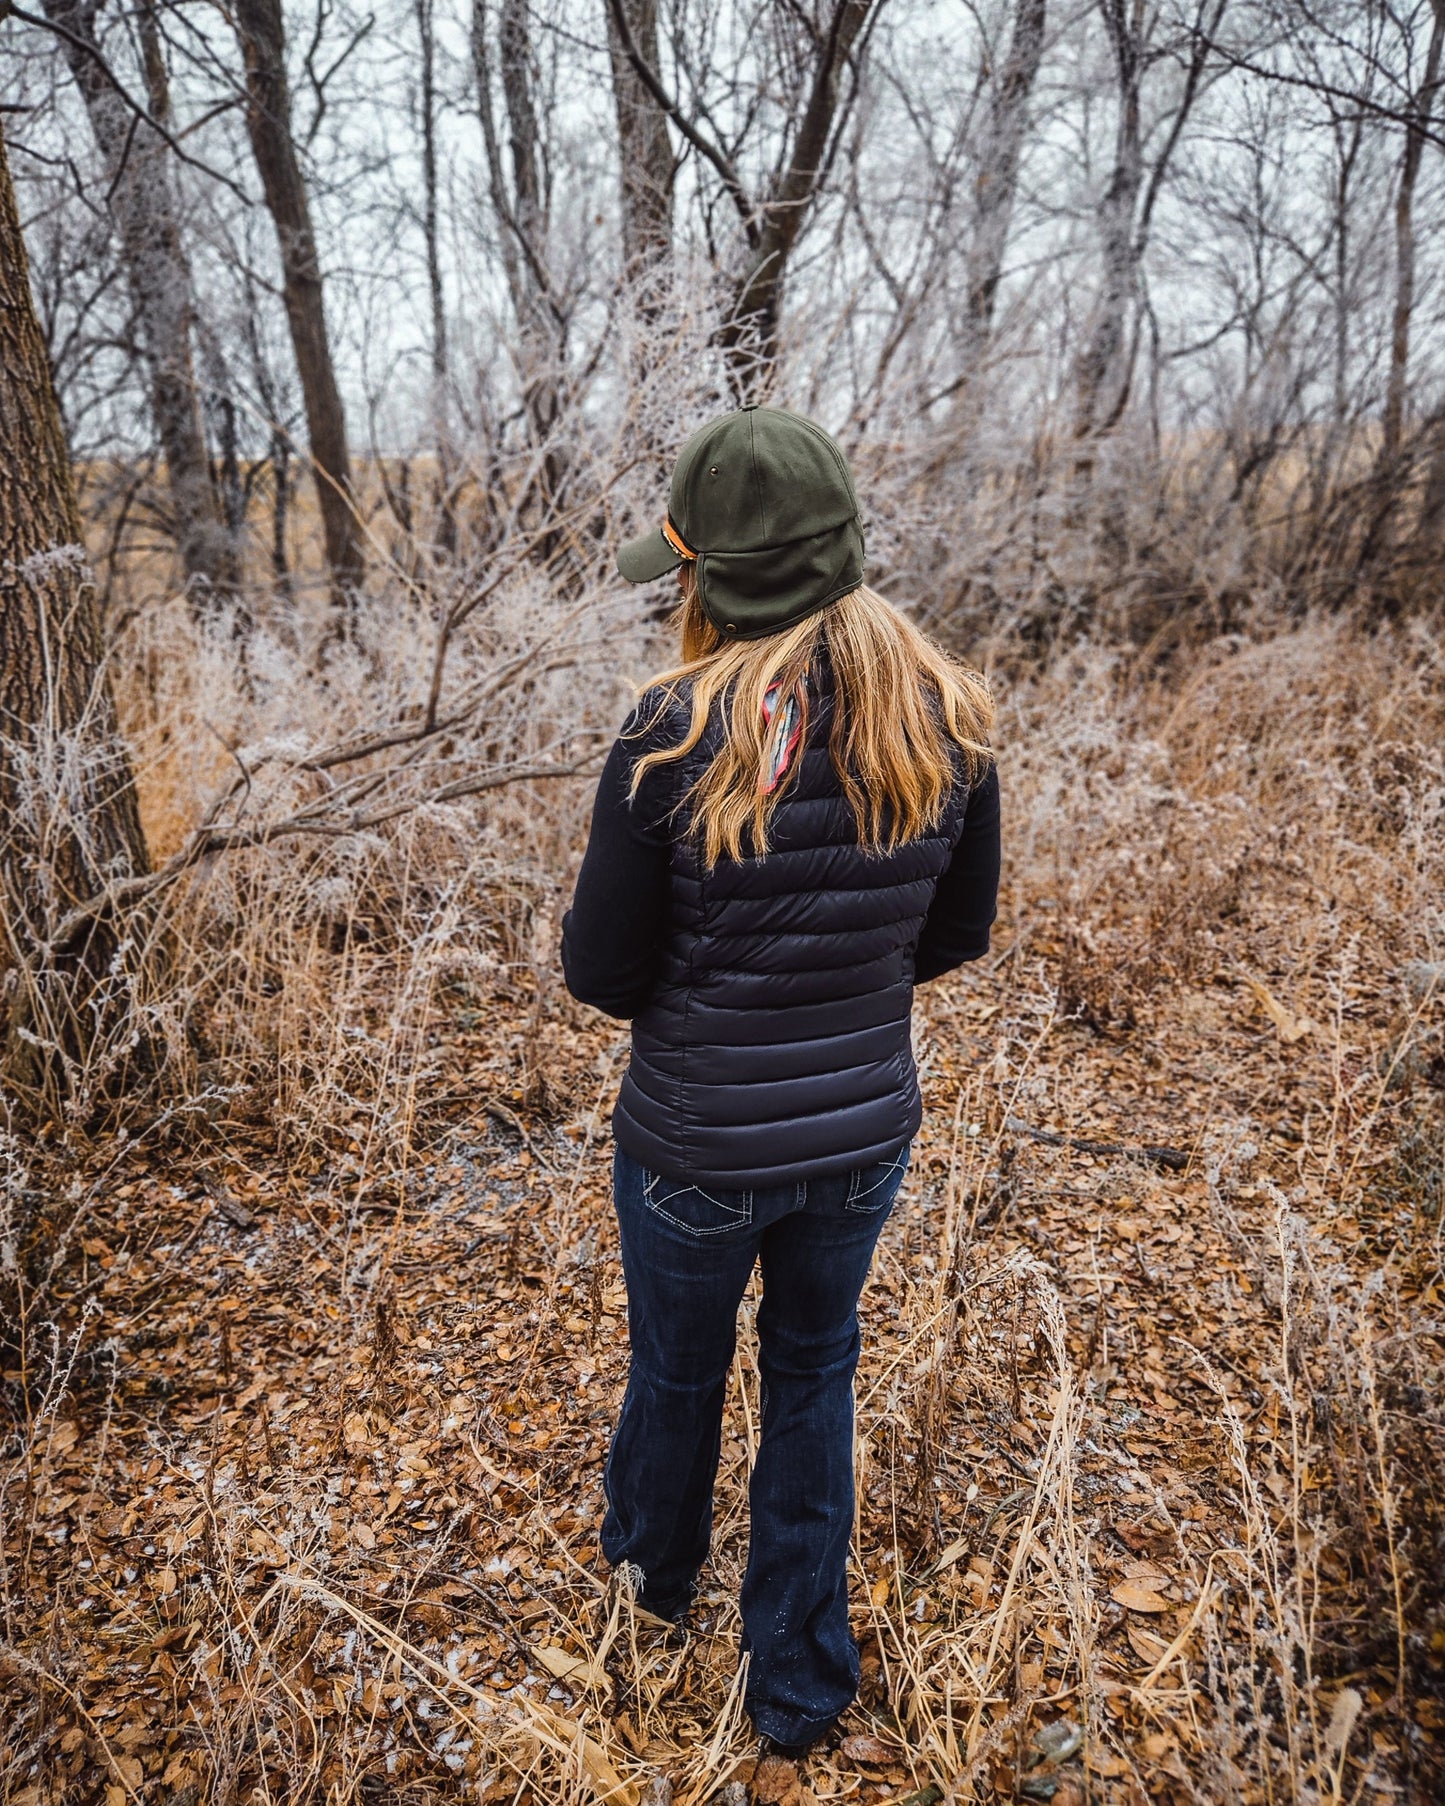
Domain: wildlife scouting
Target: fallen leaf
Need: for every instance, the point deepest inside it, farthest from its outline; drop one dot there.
(1139, 1596)
(954, 1552)
(773, 1780)
(1149, 1648)
(1058, 1741)
(562, 1665)
(606, 1783)
(871, 1750)
(234, 1211)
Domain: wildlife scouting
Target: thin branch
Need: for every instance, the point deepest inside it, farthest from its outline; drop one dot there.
(203, 843)
(1318, 85)
(9, 10)
(719, 159)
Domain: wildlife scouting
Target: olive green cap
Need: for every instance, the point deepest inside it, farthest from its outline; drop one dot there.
(764, 502)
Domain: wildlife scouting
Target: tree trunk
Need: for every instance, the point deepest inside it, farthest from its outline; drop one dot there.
(998, 169)
(529, 215)
(435, 290)
(1104, 373)
(1421, 108)
(750, 334)
(648, 165)
(261, 31)
(1104, 367)
(143, 206)
(1430, 529)
(446, 524)
(521, 205)
(280, 508)
(67, 800)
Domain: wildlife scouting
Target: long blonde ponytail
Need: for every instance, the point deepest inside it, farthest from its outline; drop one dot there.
(901, 706)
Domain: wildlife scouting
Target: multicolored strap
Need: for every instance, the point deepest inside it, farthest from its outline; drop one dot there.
(786, 714)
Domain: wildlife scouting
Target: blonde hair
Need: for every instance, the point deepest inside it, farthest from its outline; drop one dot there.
(901, 706)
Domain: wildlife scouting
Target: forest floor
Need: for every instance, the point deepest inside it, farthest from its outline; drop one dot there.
(1149, 1428)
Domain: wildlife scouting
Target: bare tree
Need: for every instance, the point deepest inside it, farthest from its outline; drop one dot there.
(772, 221)
(521, 198)
(998, 167)
(1105, 367)
(262, 34)
(1421, 109)
(996, 161)
(645, 149)
(141, 192)
(436, 291)
(67, 800)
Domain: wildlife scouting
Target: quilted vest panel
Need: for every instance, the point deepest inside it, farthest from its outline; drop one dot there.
(776, 1043)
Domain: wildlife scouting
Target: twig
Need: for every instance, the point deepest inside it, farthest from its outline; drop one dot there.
(509, 1119)
(205, 842)
(1176, 1159)
(140, 115)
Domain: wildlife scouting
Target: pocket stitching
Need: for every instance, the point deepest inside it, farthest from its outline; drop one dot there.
(741, 1217)
(856, 1200)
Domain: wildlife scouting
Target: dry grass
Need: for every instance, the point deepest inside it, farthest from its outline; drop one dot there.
(302, 1485)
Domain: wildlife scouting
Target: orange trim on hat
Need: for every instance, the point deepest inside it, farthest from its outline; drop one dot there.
(676, 540)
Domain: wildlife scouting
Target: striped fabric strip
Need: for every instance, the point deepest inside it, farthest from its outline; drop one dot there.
(787, 718)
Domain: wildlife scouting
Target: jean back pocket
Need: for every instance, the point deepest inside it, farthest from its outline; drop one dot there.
(698, 1212)
(875, 1187)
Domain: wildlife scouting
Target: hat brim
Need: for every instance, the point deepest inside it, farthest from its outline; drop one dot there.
(646, 559)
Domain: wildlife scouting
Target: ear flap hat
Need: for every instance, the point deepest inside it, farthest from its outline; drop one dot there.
(763, 505)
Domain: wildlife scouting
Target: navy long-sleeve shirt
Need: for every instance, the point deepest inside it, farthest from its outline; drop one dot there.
(612, 936)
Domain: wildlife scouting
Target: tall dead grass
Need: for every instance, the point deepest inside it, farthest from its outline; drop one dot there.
(1252, 830)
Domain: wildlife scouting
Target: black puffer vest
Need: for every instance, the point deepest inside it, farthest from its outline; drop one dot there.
(775, 1044)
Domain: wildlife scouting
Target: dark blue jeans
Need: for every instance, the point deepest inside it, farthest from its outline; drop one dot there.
(687, 1255)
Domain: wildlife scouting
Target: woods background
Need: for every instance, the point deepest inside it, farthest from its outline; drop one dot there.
(339, 344)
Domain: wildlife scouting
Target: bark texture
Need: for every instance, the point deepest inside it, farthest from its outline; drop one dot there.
(771, 224)
(261, 29)
(750, 335)
(1104, 368)
(1422, 107)
(648, 165)
(143, 206)
(69, 825)
(520, 198)
(998, 167)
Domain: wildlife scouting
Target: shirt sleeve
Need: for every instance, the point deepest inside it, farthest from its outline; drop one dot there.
(612, 936)
(965, 903)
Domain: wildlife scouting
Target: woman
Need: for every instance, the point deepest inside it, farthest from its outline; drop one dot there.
(797, 825)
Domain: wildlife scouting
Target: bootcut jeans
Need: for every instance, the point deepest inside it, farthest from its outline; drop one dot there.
(687, 1256)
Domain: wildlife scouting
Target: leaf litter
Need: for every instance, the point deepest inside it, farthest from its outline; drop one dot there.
(302, 1496)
